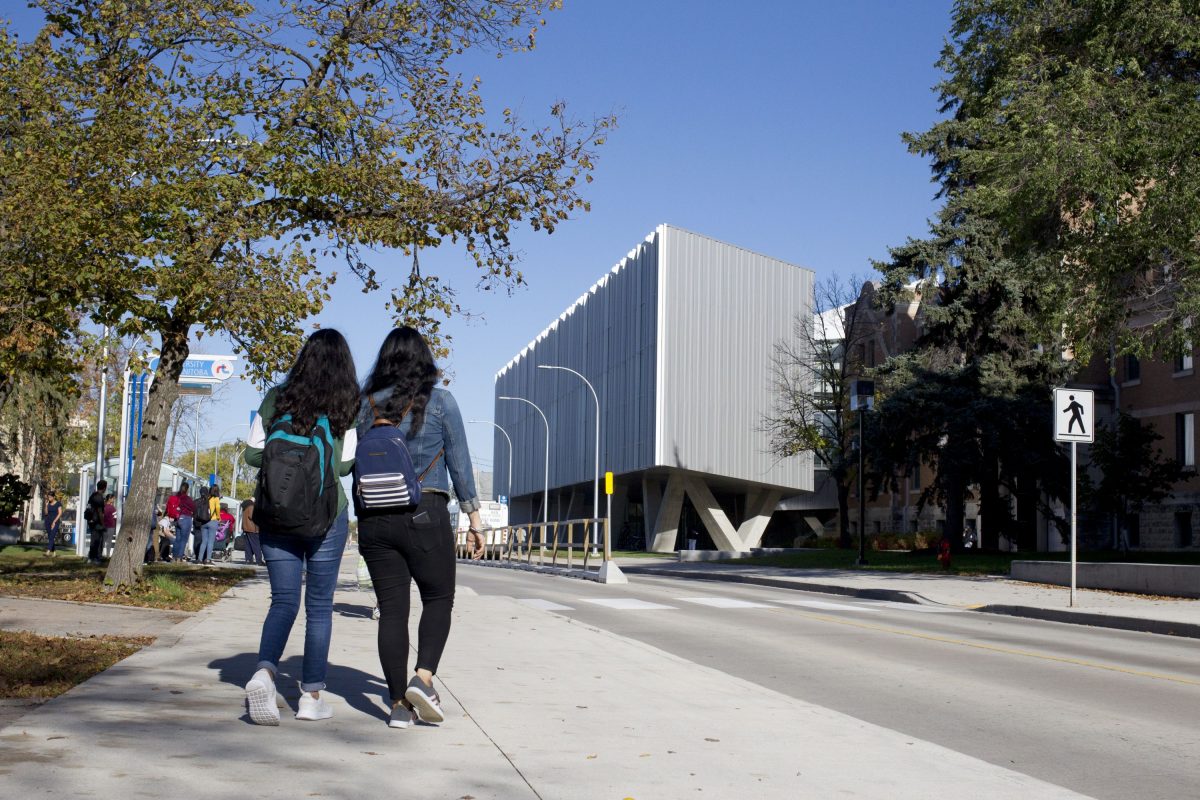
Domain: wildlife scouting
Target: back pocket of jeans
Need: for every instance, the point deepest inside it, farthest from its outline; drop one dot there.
(429, 528)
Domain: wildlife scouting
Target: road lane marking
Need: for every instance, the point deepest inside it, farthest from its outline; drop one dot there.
(723, 602)
(543, 605)
(628, 604)
(997, 649)
(874, 605)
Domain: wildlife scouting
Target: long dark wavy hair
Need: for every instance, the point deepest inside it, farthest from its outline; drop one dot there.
(405, 364)
(322, 381)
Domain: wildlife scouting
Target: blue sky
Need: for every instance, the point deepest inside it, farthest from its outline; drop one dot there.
(772, 125)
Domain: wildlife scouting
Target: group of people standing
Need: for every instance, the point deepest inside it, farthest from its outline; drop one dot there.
(400, 544)
(198, 518)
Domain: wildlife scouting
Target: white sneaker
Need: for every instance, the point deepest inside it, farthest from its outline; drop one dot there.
(261, 699)
(313, 708)
(401, 717)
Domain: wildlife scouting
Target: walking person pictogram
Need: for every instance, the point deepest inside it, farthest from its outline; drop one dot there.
(1076, 412)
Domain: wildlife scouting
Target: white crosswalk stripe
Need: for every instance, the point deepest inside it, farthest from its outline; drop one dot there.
(723, 602)
(871, 606)
(543, 605)
(629, 604)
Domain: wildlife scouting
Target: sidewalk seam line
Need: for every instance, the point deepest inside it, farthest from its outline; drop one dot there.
(495, 744)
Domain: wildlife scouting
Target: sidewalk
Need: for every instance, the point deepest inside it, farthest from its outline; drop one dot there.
(537, 706)
(993, 595)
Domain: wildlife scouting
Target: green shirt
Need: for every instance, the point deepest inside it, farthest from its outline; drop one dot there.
(262, 423)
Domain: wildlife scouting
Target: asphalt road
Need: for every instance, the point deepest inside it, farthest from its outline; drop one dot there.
(1110, 714)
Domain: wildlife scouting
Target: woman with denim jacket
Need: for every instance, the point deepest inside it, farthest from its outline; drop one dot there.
(416, 543)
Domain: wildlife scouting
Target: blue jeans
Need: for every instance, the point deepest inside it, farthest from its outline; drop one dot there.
(183, 530)
(208, 538)
(287, 558)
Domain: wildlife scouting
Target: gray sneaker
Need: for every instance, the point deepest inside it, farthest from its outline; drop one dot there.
(426, 703)
(402, 717)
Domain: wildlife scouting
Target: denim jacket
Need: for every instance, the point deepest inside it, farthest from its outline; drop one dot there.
(442, 430)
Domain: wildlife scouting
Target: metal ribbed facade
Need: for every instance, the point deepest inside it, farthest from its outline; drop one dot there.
(721, 311)
(677, 340)
(609, 336)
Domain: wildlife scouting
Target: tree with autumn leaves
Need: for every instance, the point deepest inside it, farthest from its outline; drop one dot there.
(181, 165)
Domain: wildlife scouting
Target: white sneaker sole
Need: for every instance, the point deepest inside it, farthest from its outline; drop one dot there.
(426, 710)
(261, 703)
(313, 716)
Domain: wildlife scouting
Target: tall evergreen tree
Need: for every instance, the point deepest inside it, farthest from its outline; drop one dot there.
(972, 400)
(1076, 127)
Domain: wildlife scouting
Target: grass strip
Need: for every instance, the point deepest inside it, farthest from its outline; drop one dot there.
(25, 571)
(33, 666)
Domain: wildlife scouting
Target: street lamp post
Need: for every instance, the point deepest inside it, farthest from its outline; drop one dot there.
(217, 446)
(862, 400)
(546, 472)
(596, 482)
(506, 436)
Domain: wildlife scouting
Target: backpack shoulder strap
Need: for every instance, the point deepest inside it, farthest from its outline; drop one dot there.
(436, 458)
(384, 420)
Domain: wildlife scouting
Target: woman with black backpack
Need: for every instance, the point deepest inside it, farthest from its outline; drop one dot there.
(415, 542)
(302, 441)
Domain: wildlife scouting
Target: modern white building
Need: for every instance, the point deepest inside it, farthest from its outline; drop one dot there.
(677, 341)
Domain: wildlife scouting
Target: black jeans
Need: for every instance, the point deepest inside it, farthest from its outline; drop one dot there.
(416, 545)
(96, 546)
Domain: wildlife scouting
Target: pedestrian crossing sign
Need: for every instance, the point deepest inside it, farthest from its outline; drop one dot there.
(1074, 415)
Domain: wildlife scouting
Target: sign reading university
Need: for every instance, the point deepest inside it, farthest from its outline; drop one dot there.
(202, 369)
(1074, 415)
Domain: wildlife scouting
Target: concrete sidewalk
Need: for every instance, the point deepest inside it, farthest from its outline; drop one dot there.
(537, 706)
(995, 595)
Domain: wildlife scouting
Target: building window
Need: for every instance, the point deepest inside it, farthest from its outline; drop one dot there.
(870, 347)
(1185, 439)
(1133, 368)
(915, 478)
(1183, 529)
(1184, 360)
(1133, 530)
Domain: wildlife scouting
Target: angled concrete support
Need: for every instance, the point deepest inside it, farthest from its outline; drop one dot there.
(712, 515)
(651, 505)
(760, 505)
(666, 524)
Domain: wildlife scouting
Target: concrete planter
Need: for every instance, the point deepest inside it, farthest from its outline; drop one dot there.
(1168, 580)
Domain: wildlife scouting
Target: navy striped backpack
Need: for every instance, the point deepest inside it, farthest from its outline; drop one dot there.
(384, 475)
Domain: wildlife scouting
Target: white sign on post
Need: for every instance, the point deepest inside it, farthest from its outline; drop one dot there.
(1074, 415)
(1074, 422)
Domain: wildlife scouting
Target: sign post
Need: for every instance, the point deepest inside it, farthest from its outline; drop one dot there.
(1074, 422)
(609, 571)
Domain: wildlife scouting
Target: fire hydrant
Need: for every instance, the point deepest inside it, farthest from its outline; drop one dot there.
(944, 554)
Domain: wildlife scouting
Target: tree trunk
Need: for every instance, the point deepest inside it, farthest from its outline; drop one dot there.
(992, 508)
(130, 548)
(955, 509)
(843, 494)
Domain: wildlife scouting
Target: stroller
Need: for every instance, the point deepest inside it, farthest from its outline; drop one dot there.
(223, 546)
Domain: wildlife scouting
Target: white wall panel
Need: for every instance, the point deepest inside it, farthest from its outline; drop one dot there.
(721, 311)
(609, 336)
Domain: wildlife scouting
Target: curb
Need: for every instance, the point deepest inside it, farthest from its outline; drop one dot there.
(1135, 624)
(892, 595)
(561, 572)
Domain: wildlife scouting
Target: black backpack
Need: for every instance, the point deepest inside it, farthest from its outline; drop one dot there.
(297, 483)
(202, 514)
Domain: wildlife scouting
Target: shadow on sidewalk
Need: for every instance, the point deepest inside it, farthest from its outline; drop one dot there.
(353, 610)
(363, 692)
